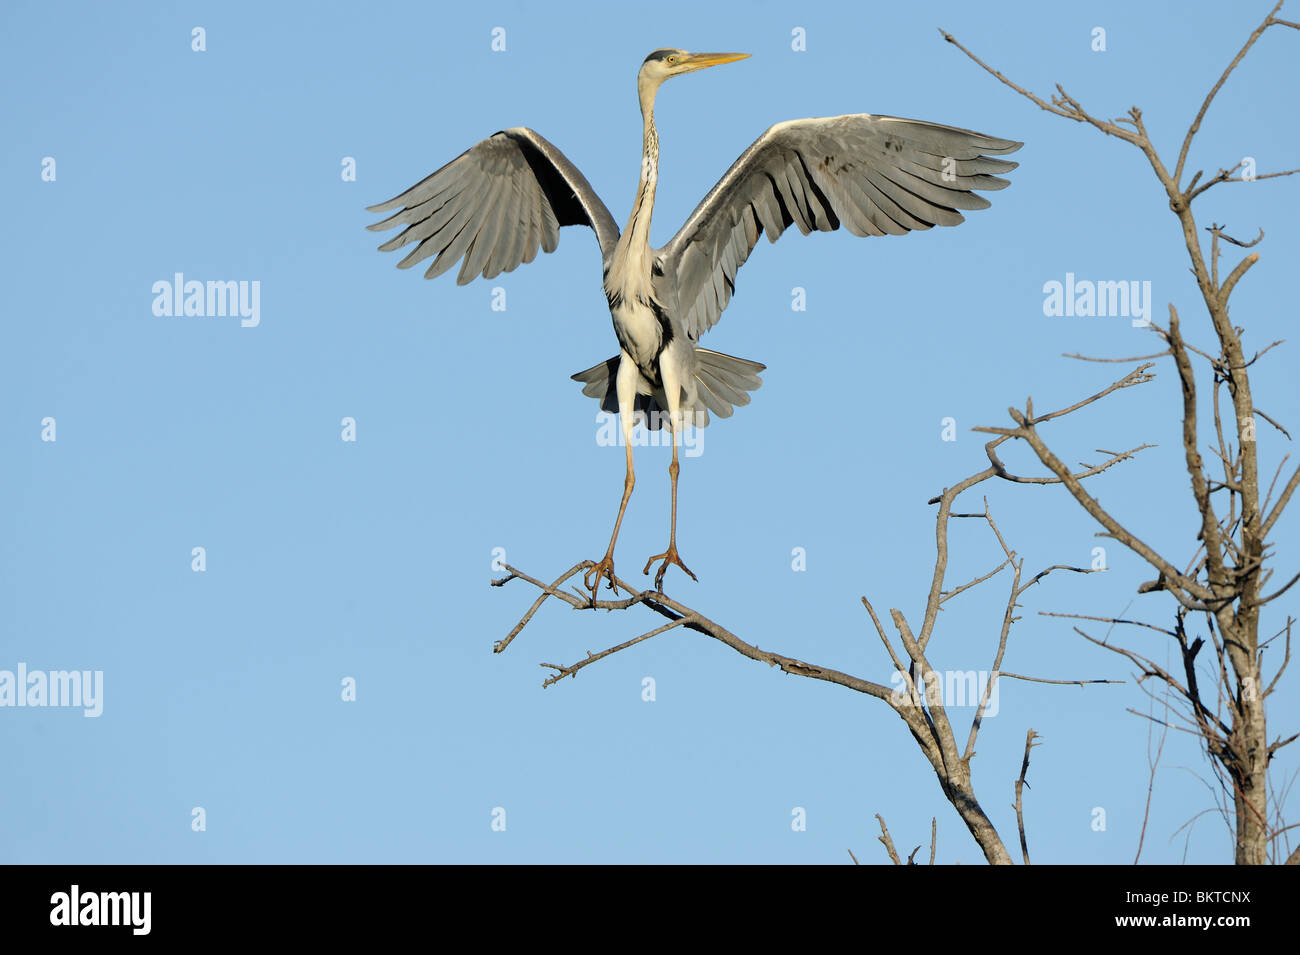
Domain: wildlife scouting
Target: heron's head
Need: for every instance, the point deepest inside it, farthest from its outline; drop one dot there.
(662, 64)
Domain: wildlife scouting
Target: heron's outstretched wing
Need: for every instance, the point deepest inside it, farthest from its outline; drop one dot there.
(494, 204)
(875, 175)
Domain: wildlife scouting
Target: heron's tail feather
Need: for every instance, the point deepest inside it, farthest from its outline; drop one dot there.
(722, 383)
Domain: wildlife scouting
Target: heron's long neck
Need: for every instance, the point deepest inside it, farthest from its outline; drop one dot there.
(638, 226)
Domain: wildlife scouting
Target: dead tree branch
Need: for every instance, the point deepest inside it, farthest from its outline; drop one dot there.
(1030, 737)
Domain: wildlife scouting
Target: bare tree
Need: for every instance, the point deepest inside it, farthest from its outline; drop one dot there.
(1225, 582)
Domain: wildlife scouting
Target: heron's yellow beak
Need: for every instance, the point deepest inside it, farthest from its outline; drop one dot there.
(699, 61)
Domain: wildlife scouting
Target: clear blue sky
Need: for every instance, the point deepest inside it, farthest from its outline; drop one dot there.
(327, 559)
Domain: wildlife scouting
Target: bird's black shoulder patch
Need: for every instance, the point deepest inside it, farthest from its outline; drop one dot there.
(665, 323)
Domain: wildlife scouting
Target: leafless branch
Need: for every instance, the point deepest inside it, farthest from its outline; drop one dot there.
(1153, 762)
(1122, 361)
(1035, 679)
(887, 841)
(667, 607)
(1284, 431)
(1030, 737)
(572, 670)
(1209, 98)
(1112, 620)
(1062, 104)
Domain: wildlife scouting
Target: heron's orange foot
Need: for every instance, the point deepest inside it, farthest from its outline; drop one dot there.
(603, 570)
(668, 557)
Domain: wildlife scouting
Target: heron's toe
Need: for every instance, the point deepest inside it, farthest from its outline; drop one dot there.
(602, 570)
(669, 556)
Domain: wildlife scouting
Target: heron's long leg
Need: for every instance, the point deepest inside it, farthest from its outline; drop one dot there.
(626, 385)
(605, 569)
(670, 556)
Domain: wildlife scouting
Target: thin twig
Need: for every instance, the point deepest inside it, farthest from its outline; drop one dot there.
(886, 841)
(1020, 785)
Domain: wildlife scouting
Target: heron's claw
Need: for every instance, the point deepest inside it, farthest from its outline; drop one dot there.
(669, 556)
(605, 569)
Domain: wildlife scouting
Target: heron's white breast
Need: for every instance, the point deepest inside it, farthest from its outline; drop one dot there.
(638, 332)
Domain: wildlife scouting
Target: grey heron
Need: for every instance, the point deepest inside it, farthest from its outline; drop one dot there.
(497, 202)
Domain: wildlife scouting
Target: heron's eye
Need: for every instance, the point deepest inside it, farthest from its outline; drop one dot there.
(672, 59)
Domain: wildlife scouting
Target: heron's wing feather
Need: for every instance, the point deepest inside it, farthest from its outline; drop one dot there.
(875, 175)
(493, 205)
